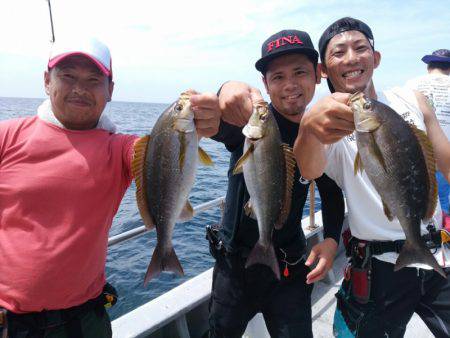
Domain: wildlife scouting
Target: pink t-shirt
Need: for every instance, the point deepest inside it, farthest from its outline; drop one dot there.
(59, 192)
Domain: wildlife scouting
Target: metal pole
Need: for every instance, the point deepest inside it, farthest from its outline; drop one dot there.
(51, 21)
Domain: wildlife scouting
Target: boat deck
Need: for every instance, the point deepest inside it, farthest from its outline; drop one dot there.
(324, 304)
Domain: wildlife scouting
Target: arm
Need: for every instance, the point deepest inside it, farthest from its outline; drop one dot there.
(236, 105)
(329, 120)
(333, 209)
(439, 141)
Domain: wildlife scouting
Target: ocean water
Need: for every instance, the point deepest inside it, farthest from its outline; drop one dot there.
(127, 262)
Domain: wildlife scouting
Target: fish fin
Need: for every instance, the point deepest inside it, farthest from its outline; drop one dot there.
(387, 211)
(186, 213)
(138, 169)
(368, 125)
(358, 166)
(160, 262)
(264, 255)
(182, 152)
(417, 254)
(377, 152)
(238, 168)
(204, 157)
(290, 163)
(248, 209)
(428, 154)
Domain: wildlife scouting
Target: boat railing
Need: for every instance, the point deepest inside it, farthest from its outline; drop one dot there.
(142, 229)
(175, 307)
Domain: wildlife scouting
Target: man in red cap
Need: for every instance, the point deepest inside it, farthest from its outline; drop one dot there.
(63, 174)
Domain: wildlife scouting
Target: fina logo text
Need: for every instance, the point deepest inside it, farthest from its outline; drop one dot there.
(291, 39)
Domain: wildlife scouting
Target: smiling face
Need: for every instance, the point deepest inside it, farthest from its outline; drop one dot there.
(78, 92)
(290, 81)
(349, 62)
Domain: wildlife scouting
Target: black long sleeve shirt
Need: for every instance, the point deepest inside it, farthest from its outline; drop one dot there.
(239, 232)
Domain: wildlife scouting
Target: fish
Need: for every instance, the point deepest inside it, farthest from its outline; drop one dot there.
(399, 161)
(164, 167)
(268, 166)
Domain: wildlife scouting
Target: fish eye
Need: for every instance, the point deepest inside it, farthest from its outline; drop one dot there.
(178, 107)
(367, 105)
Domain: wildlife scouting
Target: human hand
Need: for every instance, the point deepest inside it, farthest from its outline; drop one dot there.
(206, 113)
(236, 101)
(324, 252)
(329, 119)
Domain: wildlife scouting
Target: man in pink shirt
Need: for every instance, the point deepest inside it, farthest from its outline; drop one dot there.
(63, 174)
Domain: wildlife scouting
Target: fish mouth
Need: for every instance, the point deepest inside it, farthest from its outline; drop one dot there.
(351, 74)
(253, 132)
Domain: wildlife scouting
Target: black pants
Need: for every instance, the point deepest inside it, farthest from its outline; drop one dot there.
(238, 294)
(89, 320)
(395, 296)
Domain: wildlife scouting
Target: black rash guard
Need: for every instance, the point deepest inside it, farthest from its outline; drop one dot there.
(239, 232)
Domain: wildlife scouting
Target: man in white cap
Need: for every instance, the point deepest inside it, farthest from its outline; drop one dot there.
(436, 87)
(63, 174)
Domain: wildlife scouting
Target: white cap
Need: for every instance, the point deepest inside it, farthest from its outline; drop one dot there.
(92, 48)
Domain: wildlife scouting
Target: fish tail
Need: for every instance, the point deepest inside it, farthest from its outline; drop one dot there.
(261, 254)
(161, 261)
(417, 254)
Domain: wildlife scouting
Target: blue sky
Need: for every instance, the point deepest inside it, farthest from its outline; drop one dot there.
(159, 49)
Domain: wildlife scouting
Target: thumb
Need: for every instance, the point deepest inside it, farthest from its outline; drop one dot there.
(311, 258)
(255, 95)
(341, 97)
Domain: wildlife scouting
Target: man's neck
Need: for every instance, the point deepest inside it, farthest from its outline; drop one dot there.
(370, 91)
(437, 71)
(293, 118)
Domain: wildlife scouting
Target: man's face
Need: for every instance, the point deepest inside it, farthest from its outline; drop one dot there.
(78, 92)
(290, 81)
(349, 62)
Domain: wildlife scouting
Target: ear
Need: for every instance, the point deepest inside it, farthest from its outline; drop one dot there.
(322, 69)
(47, 82)
(110, 90)
(318, 77)
(265, 84)
(376, 59)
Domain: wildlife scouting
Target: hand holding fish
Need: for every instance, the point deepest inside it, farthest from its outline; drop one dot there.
(325, 252)
(330, 119)
(206, 113)
(236, 101)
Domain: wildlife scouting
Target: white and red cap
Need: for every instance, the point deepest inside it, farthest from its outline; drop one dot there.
(92, 48)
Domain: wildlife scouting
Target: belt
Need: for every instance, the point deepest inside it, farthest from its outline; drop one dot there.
(431, 239)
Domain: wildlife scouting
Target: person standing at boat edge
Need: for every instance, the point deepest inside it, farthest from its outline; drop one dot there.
(289, 71)
(63, 173)
(436, 87)
(374, 301)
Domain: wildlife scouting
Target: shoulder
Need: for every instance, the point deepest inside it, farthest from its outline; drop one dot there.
(17, 123)
(124, 139)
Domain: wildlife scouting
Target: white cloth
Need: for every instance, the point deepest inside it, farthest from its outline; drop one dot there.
(436, 87)
(366, 217)
(45, 113)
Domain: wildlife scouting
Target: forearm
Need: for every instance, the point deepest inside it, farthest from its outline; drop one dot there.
(310, 154)
(441, 145)
(231, 136)
(333, 207)
(439, 141)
